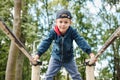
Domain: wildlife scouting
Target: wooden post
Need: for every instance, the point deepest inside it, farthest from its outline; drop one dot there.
(35, 72)
(111, 39)
(90, 72)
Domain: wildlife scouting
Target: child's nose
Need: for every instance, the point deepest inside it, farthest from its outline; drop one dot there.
(63, 24)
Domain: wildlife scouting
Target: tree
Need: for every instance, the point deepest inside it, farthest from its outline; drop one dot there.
(13, 53)
(5, 15)
(109, 20)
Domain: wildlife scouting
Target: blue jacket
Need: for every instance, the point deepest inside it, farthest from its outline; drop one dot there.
(63, 45)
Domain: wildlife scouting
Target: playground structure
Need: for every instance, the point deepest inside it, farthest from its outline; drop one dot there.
(90, 69)
(89, 63)
(36, 65)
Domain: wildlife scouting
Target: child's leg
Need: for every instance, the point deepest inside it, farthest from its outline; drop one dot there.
(73, 70)
(53, 67)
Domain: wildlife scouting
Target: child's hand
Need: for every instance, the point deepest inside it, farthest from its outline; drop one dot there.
(93, 59)
(36, 57)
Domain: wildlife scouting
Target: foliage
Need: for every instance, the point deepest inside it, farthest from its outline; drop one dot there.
(5, 15)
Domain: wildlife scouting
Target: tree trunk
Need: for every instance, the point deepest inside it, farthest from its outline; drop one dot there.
(13, 52)
(19, 66)
(115, 47)
(20, 58)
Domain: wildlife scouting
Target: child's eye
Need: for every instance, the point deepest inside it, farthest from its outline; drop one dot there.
(66, 22)
(60, 21)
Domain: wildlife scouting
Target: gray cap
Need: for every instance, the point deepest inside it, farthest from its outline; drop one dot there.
(63, 14)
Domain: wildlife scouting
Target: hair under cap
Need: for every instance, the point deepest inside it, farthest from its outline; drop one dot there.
(63, 14)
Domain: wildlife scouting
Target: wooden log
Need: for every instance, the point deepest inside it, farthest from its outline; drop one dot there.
(17, 42)
(89, 71)
(110, 40)
(35, 72)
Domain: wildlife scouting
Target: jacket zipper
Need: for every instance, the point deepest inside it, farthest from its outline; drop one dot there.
(62, 49)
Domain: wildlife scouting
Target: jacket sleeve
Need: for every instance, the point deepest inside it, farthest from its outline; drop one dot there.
(81, 42)
(45, 44)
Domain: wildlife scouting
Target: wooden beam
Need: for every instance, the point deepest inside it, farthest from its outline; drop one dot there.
(110, 40)
(17, 42)
(35, 72)
(89, 71)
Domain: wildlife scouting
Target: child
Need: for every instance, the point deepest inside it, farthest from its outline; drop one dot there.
(62, 52)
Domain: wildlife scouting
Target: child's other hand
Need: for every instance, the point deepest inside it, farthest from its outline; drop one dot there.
(36, 57)
(93, 59)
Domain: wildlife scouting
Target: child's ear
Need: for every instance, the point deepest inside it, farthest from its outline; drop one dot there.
(70, 22)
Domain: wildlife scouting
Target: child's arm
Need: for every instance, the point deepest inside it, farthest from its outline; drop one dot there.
(81, 42)
(44, 45)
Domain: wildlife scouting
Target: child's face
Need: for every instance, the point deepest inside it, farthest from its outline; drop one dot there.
(63, 24)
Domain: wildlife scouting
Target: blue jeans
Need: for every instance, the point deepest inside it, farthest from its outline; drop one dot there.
(55, 65)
